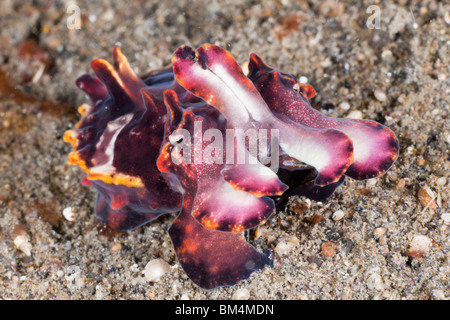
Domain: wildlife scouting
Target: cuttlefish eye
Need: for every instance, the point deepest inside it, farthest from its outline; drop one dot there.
(175, 139)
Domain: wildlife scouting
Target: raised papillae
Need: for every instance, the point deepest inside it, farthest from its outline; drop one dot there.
(220, 147)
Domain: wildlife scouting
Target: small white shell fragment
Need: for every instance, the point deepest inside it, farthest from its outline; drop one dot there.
(37, 76)
(446, 217)
(378, 232)
(370, 183)
(184, 296)
(69, 214)
(441, 181)
(355, 114)
(421, 243)
(344, 106)
(380, 95)
(241, 294)
(447, 17)
(386, 55)
(22, 243)
(286, 244)
(303, 80)
(338, 215)
(155, 269)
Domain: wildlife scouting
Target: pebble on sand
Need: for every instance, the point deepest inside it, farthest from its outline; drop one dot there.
(286, 245)
(355, 114)
(380, 95)
(378, 232)
(426, 197)
(69, 214)
(241, 294)
(155, 269)
(419, 246)
(22, 242)
(328, 249)
(338, 215)
(116, 248)
(344, 106)
(303, 80)
(184, 296)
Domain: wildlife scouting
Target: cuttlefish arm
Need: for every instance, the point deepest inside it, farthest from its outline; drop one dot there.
(208, 255)
(375, 147)
(213, 258)
(212, 74)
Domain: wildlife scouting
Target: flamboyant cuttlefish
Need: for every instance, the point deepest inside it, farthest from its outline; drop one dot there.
(219, 146)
